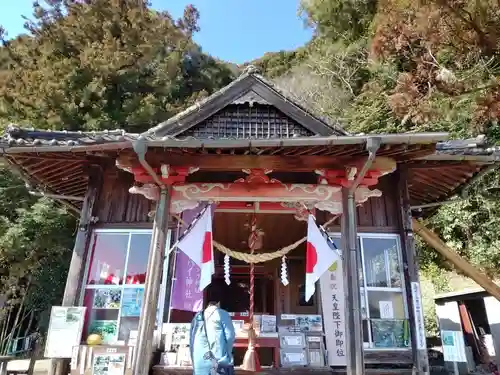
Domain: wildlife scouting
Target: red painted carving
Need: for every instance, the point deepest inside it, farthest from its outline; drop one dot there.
(257, 192)
(257, 176)
(169, 175)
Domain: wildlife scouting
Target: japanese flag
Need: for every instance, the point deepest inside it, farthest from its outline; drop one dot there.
(197, 245)
(319, 257)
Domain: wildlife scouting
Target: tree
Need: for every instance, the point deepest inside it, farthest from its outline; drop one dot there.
(87, 65)
(83, 65)
(427, 65)
(340, 19)
(36, 238)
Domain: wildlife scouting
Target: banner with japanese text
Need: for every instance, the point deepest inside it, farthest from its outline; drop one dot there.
(332, 301)
(185, 293)
(186, 284)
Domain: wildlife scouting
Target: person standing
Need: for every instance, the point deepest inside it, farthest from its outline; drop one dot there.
(211, 341)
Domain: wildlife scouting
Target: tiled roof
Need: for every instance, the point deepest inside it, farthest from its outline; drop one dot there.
(466, 149)
(25, 138)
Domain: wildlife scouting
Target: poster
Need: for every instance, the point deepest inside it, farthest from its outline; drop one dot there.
(176, 335)
(107, 329)
(310, 323)
(388, 333)
(107, 298)
(65, 331)
(419, 316)
(332, 301)
(453, 346)
(108, 364)
(132, 302)
(386, 310)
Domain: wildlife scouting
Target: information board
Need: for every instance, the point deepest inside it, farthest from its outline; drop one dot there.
(65, 331)
(453, 346)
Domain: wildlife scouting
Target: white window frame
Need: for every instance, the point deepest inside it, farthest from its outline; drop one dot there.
(364, 289)
(163, 285)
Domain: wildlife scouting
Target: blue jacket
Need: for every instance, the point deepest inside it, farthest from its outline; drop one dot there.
(221, 336)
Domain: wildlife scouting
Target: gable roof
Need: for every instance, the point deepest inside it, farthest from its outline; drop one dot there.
(250, 87)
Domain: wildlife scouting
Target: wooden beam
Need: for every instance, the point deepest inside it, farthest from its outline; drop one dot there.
(460, 263)
(411, 275)
(307, 163)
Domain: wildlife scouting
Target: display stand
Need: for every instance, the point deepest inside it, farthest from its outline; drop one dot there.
(102, 360)
(176, 339)
(301, 341)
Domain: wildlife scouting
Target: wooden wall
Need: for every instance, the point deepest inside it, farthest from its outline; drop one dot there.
(378, 215)
(117, 205)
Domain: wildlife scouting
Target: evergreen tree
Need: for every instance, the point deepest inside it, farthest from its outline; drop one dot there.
(89, 65)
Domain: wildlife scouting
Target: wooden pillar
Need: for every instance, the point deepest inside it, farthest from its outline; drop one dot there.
(411, 277)
(144, 346)
(76, 269)
(78, 259)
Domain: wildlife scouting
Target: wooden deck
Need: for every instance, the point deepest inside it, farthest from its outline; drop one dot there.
(163, 370)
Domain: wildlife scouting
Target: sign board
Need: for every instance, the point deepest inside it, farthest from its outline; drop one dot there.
(419, 316)
(65, 331)
(108, 364)
(332, 303)
(453, 346)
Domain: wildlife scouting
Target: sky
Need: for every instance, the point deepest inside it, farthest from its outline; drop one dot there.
(233, 30)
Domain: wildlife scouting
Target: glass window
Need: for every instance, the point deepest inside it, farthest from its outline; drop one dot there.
(115, 283)
(381, 262)
(108, 256)
(137, 261)
(386, 315)
(383, 306)
(386, 305)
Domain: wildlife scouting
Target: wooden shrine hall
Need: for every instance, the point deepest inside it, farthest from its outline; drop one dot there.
(256, 156)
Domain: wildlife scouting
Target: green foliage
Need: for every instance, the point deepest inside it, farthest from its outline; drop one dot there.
(340, 19)
(83, 65)
(36, 239)
(104, 64)
(276, 64)
(405, 66)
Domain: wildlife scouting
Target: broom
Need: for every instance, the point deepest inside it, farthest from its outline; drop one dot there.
(251, 359)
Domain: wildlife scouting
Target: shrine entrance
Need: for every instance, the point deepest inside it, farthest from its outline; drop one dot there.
(236, 296)
(278, 229)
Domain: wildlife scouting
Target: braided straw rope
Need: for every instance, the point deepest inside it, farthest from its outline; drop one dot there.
(264, 256)
(258, 258)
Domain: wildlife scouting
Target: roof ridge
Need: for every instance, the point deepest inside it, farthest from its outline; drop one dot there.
(254, 72)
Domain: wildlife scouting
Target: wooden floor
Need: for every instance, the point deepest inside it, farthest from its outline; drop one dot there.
(162, 370)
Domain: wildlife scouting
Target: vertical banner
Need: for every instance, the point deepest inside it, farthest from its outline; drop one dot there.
(332, 301)
(185, 293)
(186, 284)
(419, 316)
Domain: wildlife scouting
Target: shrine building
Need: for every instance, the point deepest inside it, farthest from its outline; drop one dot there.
(252, 154)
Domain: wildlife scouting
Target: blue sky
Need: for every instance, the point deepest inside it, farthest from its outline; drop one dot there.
(232, 30)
